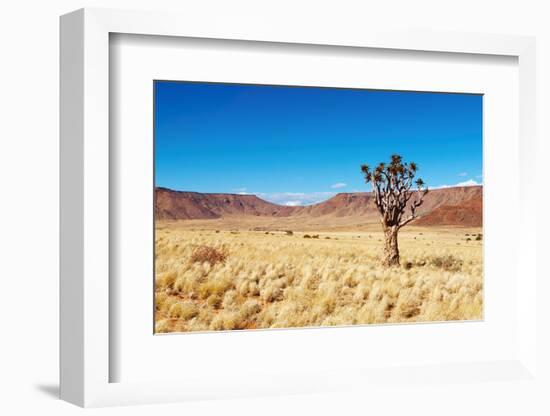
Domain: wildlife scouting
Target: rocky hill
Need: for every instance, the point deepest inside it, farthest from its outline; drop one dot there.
(461, 206)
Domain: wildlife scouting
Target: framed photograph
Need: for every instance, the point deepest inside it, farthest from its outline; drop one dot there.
(267, 211)
(262, 219)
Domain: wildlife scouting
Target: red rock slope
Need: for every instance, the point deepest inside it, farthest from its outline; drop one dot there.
(450, 206)
(467, 214)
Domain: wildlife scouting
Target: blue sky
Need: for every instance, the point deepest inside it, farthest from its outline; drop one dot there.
(301, 145)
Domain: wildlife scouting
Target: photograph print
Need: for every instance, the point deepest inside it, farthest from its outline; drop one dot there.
(291, 207)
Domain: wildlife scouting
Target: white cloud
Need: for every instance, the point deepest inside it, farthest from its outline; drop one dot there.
(469, 182)
(463, 174)
(240, 191)
(295, 198)
(338, 185)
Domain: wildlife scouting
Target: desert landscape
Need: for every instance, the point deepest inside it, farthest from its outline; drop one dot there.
(303, 206)
(234, 262)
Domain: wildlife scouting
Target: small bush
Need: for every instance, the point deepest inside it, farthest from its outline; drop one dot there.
(183, 310)
(163, 325)
(216, 287)
(409, 309)
(272, 294)
(250, 307)
(225, 322)
(217, 231)
(468, 239)
(214, 301)
(289, 232)
(408, 265)
(307, 236)
(315, 236)
(479, 237)
(449, 263)
(206, 254)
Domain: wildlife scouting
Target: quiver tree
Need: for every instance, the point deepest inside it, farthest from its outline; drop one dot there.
(392, 191)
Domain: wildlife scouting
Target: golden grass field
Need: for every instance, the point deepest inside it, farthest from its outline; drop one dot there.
(270, 279)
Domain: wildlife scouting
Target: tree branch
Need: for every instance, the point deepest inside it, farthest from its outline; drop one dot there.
(415, 204)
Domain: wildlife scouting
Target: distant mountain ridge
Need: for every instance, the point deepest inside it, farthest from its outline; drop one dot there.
(455, 206)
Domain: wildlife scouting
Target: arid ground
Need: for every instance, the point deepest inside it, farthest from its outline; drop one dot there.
(249, 273)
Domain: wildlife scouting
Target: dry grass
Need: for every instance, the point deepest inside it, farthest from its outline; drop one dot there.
(210, 255)
(222, 280)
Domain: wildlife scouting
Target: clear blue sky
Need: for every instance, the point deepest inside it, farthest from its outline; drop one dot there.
(300, 145)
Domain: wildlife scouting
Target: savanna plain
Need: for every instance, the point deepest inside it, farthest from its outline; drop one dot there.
(224, 275)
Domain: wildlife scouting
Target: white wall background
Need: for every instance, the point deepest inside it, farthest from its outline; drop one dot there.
(29, 202)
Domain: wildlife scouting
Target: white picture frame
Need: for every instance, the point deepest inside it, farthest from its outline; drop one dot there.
(86, 356)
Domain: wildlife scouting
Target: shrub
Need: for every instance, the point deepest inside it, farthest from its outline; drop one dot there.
(167, 279)
(225, 321)
(307, 236)
(206, 254)
(315, 236)
(214, 287)
(409, 309)
(271, 294)
(250, 307)
(289, 232)
(183, 310)
(468, 239)
(479, 237)
(163, 325)
(214, 301)
(449, 263)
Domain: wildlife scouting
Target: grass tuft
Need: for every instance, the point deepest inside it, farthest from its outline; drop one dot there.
(206, 254)
(447, 262)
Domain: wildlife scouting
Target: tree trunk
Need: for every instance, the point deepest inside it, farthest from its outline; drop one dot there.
(390, 256)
